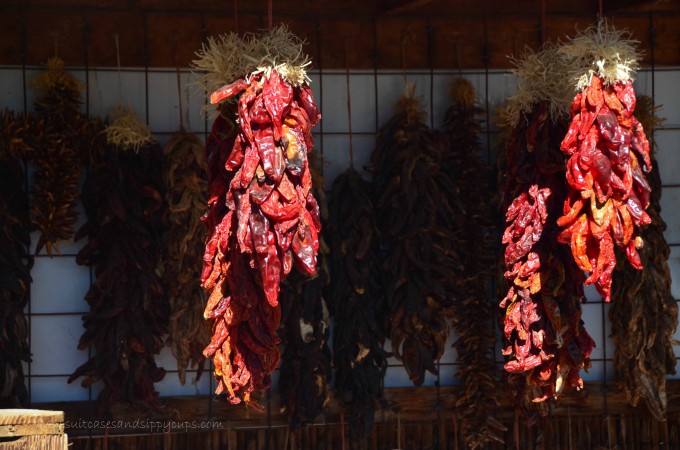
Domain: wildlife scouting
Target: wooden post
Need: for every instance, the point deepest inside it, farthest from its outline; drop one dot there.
(32, 429)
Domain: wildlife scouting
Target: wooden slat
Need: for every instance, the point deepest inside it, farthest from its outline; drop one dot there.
(171, 36)
(392, 6)
(58, 33)
(102, 28)
(10, 37)
(28, 422)
(29, 416)
(412, 404)
(465, 41)
(54, 442)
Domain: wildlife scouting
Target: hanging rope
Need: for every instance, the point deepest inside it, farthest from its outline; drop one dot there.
(55, 36)
(543, 31)
(349, 106)
(120, 82)
(270, 13)
(459, 58)
(236, 16)
(179, 87)
(404, 38)
(601, 16)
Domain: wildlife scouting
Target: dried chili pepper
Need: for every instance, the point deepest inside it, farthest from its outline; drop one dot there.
(546, 342)
(185, 180)
(361, 312)
(271, 221)
(59, 149)
(15, 260)
(608, 157)
(644, 314)
(473, 312)
(124, 201)
(417, 222)
(304, 384)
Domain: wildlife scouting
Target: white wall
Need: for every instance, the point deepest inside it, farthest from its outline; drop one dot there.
(59, 284)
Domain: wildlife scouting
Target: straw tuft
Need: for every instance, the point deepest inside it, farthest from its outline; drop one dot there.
(604, 51)
(228, 57)
(126, 132)
(541, 76)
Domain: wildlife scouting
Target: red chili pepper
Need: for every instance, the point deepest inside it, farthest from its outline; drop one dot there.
(607, 155)
(270, 227)
(228, 91)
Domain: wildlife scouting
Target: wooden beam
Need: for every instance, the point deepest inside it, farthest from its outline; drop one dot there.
(613, 6)
(393, 6)
(406, 404)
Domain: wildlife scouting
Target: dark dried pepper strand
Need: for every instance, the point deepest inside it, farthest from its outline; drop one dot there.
(59, 150)
(644, 314)
(305, 378)
(474, 312)
(185, 181)
(128, 307)
(417, 222)
(15, 261)
(546, 342)
(361, 312)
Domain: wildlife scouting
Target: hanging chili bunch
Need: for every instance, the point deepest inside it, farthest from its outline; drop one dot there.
(418, 223)
(123, 198)
(608, 158)
(357, 297)
(644, 314)
(58, 154)
(271, 221)
(15, 261)
(474, 312)
(546, 342)
(185, 179)
(306, 360)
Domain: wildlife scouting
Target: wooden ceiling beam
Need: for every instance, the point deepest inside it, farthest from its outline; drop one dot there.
(612, 6)
(393, 6)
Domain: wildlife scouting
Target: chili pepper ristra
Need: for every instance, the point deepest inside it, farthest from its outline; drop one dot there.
(546, 344)
(15, 260)
(271, 220)
(644, 314)
(608, 157)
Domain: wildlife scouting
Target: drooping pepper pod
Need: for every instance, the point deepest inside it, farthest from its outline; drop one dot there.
(418, 224)
(128, 319)
(270, 221)
(15, 260)
(474, 312)
(546, 344)
(608, 158)
(186, 195)
(304, 384)
(59, 149)
(644, 314)
(361, 311)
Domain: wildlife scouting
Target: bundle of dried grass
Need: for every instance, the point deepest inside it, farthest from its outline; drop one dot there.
(227, 57)
(604, 51)
(126, 132)
(541, 76)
